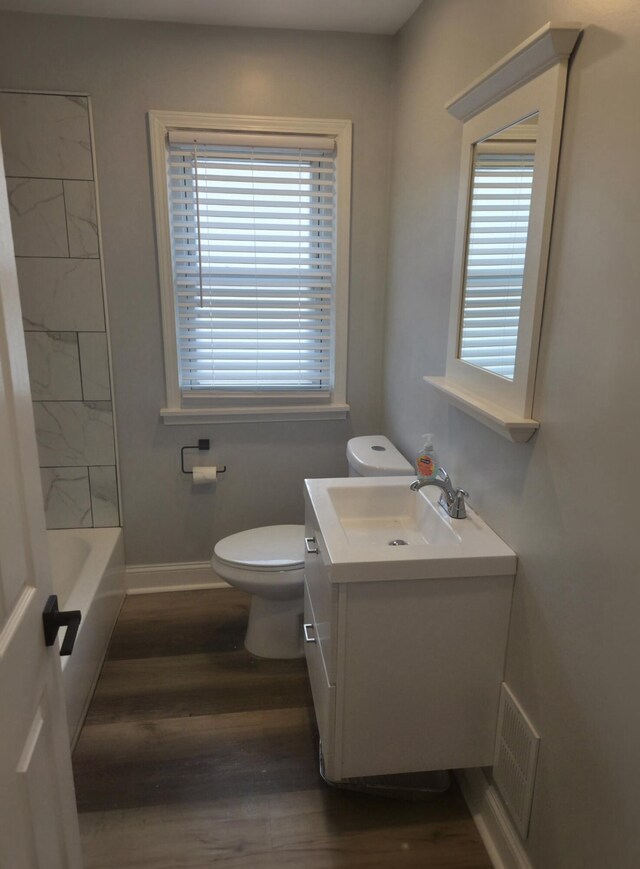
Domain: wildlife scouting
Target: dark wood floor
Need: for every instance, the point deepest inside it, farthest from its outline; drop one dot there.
(195, 754)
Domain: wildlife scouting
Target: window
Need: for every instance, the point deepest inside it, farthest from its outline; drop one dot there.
(252, 241)
(253, 231)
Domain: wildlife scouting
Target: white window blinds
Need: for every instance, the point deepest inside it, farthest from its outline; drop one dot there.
(498, 228)
(253, 235)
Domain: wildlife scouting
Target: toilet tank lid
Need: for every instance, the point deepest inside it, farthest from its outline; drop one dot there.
(376, 456)
(272, 547)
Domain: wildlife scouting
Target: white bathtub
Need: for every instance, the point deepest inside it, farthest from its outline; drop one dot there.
(87, 570)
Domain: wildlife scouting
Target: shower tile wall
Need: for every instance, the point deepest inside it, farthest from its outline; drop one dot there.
(48, 156)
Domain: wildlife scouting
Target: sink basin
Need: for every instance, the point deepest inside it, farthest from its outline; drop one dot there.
(387, 515)
(377, 528)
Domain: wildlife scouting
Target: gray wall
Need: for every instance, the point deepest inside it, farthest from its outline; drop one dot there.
(49, 160)
(129, 68)
(566, 501)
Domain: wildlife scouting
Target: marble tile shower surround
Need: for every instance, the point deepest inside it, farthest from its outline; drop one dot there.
(48, 156)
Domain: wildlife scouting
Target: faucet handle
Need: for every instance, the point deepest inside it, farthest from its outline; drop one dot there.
(458, 507)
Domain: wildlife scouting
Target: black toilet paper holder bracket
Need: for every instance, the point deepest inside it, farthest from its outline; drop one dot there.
(203, 445)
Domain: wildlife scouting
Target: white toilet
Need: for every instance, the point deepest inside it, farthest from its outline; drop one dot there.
(268, 562)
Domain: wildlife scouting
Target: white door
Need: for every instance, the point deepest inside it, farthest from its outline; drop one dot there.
(38, 817)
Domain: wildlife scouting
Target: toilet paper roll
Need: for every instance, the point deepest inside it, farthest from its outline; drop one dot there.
(204, 476)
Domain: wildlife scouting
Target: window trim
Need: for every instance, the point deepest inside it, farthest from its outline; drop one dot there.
(182, 410)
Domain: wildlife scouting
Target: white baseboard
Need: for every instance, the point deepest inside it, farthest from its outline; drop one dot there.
(191, 575)
(499, 835)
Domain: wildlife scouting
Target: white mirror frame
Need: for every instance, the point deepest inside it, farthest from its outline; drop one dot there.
(532, 79)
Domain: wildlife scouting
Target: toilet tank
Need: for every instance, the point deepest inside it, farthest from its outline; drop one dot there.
(375, 456)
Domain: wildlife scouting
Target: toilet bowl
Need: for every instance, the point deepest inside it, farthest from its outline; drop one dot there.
(268, 562)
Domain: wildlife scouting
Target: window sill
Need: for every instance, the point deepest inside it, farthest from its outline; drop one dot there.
(200, 415)
(517, 429)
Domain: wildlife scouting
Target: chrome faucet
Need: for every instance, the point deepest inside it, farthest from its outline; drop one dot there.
(451, 500)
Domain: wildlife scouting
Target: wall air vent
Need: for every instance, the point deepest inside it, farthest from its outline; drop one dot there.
(516, 756)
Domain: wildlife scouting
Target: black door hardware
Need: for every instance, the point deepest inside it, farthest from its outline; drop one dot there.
(53, 620)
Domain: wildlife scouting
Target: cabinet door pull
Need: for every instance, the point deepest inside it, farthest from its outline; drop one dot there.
(306, 629)
(312, 545)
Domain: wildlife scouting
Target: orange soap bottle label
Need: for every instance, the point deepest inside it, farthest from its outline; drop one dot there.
(425, 466)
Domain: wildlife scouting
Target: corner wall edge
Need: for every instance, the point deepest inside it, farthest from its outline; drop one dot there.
(498, 834)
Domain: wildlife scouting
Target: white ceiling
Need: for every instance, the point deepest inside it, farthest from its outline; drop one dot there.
(360, 16)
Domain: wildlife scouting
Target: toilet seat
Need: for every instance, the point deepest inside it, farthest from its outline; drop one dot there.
(268, 561)
(273, 548)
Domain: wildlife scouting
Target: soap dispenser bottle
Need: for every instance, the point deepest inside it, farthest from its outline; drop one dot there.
(427, 462)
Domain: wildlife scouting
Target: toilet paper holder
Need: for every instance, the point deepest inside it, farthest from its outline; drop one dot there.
(203, 445)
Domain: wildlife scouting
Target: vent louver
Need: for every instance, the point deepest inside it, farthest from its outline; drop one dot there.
(516, 755)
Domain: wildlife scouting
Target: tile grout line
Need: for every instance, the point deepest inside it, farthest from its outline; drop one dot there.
(72, 400)
(66, 221)
(93, 465)
(49, 256)
(80, 366)
(45, 178)
(90, 496)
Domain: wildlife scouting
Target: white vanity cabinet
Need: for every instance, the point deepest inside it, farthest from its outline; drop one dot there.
(405, 673)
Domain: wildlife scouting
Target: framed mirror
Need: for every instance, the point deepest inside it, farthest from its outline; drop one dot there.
(510, 147)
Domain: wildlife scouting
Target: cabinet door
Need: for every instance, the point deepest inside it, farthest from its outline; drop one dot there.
(323, 595)
(324, 694)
